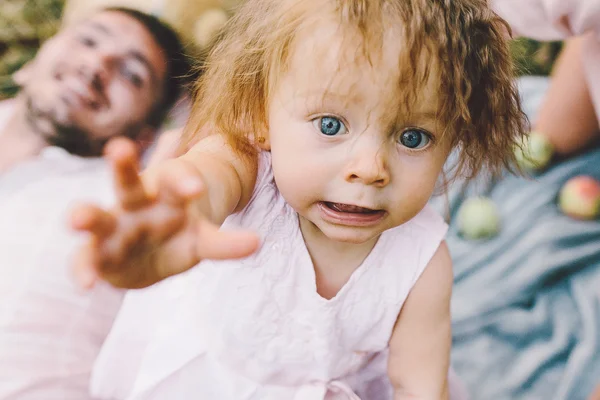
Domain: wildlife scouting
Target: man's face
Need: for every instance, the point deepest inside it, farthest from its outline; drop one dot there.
(93, 81)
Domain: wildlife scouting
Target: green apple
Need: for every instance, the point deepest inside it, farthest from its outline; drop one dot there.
(478, 218)
(535, 152)
(580, 198)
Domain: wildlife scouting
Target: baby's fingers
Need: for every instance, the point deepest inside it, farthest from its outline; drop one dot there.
(85, 266)
(93, 219)
(100, 224)
(129, 189)
(217, 244)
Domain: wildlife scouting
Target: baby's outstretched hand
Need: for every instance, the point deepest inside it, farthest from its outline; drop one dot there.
(152, 233)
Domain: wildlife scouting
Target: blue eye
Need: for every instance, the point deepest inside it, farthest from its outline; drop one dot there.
(414, 139)
(330, 126)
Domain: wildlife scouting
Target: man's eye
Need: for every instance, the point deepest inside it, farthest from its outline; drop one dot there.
(415, 139)
(132, 77)
(330, 126)
(87, 41)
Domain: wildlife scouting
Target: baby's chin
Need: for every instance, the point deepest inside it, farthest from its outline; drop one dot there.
(350, 235)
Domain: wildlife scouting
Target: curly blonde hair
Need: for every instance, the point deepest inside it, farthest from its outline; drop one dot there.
(478, 100)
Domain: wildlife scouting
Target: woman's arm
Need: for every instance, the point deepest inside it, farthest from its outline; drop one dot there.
(567, 116)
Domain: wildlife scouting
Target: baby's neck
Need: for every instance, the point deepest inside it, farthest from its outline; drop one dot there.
(334, 262)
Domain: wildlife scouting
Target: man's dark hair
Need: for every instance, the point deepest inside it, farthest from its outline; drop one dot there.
(178, 71)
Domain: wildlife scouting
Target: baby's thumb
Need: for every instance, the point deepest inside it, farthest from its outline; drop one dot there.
(217, 244)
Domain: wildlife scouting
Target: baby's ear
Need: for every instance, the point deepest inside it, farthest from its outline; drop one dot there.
(263, 142)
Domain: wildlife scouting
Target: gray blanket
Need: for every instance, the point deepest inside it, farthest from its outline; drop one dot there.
(526, 304)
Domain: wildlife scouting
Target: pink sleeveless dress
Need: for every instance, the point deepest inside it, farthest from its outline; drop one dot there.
(257, 329)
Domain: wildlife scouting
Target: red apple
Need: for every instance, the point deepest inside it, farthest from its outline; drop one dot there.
(580, 198)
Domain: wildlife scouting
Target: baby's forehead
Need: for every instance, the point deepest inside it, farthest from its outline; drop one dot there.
(330, 50)
(330, 60)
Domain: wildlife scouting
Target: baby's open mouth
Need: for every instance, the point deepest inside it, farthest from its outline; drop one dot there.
(350, 215)
(351, 209)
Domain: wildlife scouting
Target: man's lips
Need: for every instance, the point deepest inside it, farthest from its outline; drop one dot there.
(79, 93)
(349, 214)
(80, 98)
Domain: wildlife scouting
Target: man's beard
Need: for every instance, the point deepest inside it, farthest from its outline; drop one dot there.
(73, 139)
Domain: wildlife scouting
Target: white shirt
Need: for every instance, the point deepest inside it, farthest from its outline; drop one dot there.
(50, 330)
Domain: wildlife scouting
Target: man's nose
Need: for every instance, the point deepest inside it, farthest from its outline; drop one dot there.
(95, 68)
(368, 163)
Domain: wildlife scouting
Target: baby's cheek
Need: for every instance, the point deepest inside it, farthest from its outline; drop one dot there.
(296, 188)
(411, 201)
(414, 208)
(287, 178)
